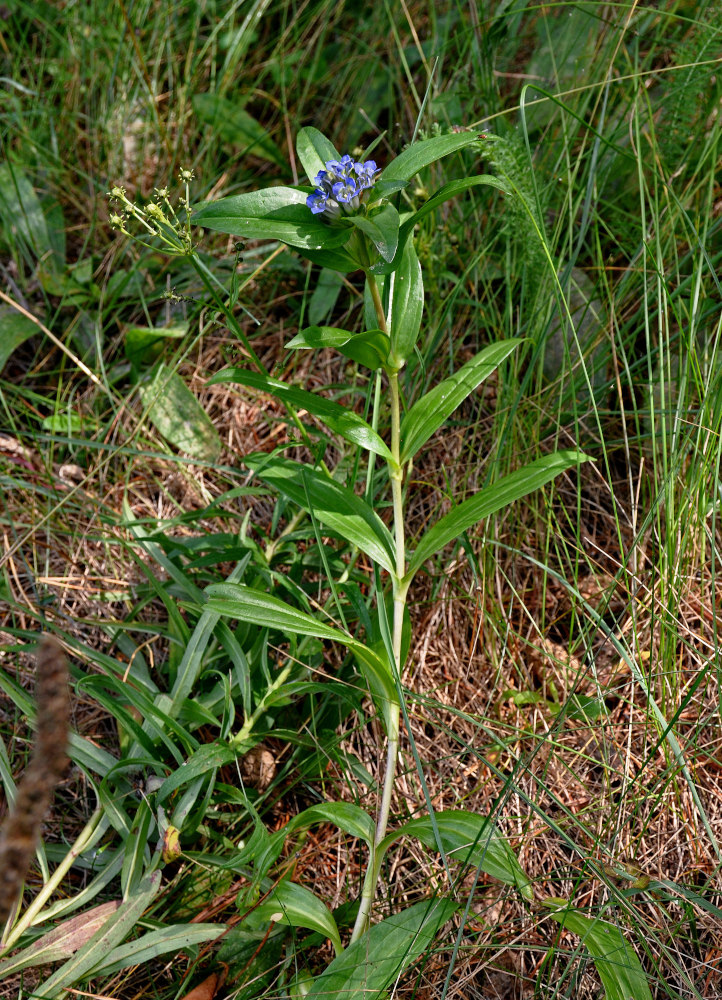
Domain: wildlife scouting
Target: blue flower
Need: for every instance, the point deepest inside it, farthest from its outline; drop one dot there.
(340, 186)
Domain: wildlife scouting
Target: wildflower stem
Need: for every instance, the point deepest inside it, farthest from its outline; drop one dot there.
(400, 588)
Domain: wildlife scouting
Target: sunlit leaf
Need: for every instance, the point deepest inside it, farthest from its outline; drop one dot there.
(407, 305)
(333, 505)
(368, 966)
(370, 348)
(295, 905)
(339, 419)
(421, 154)
(314, 150)
(471, 840)
(490, 499)
(619, 968)
(431, 411)
(275, 213)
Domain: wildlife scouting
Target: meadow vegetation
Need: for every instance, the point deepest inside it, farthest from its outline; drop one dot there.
(559, 659)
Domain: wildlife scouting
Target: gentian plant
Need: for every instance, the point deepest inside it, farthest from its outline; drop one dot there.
(347, 220)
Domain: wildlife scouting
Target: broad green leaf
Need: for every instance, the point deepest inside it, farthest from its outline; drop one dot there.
(276, 213)
(431, 411)
(248, 605)
(165, 940)
(62, 941)
(619, 968)
(368, 966)
(178, 415)
(314, 150)
(345, 815)
(325, 295)
(448, 191)
(407, 305)
(470, 840)
(14, 329)
(335, 506)
(490, 499)
(295, 905)
(338, 418)
(143, 344)
(370, 348)
(208, 757)
(25, 222)
(382, 229)
(236, 600)
(107, 937)
(233, 124)
(336, 260)
(421, 154)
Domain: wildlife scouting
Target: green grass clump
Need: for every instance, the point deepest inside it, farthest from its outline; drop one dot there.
(562, 676)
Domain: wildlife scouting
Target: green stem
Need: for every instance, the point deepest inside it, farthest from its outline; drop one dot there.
(400, 588)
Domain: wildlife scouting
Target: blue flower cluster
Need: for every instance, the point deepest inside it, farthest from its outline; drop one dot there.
(341, 185)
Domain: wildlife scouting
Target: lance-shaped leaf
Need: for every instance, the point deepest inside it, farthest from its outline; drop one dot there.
(62, 941)
(421, 154)
(163, 941)
(295, 905)
(338, 418)
(490, 499)
(382, 229)
(108, 936)
(368, 966)
(333, 505)
(430, 412)
(255, 606)
(276, 213)
(370, 348)
(314, 150)
(471, 840)
(407, 305)
(350, 818)
(448, 191)
(619, 968)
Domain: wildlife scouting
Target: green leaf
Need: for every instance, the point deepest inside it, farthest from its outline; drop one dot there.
(208, 757)
(448, 191)
(490, 499)
(382, 229)
(421, 154)
(407, 305)
(178, 415)
(62, 941)
(338, 418)
(336, 260)
(431, 411)
(368, 966)
(313, 150)
(107, 937)
(232, 124)
(619, 968)
(470, 840)
(248, 605)
(296, 906)
(325, 295)
(276, 213)
(335, 506)
(143, 344)
(236, 600)
(370, 348)
(146, 948)
(345, 815)
(14, 330)
(24, 221)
